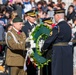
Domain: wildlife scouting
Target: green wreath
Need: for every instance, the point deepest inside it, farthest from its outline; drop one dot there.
(40, 31)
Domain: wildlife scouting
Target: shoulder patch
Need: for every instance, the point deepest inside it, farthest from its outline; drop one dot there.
(56, 27)
(9, 37)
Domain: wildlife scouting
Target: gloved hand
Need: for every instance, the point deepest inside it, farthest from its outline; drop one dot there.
(43, 51)
(28, 45)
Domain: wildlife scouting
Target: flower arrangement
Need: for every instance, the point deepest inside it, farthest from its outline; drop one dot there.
(40, 32)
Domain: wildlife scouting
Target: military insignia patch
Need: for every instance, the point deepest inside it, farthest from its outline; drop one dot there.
(56, 26)
(9, 37)
(51, 33)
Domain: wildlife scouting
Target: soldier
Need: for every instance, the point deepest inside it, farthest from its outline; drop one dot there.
(30, 23)
(48, 22)
(62, 57)
(27, 28)
(15, 40)
(47, 68)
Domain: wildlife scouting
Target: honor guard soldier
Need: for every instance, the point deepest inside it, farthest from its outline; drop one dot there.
(15, 40)
(62, 57)
(48, 22)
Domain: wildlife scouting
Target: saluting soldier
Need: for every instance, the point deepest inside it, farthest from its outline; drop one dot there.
(15, 40)
(62, 57)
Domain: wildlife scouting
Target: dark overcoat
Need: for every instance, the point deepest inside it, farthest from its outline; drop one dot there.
(62, 57)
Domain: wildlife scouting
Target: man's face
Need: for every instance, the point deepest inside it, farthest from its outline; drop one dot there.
(18, 25)
(31, 19)
(56, 17)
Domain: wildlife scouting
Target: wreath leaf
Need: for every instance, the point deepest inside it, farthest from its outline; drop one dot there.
(40, 31)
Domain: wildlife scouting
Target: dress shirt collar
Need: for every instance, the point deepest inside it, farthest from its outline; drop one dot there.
(60, 20)
(31, 23)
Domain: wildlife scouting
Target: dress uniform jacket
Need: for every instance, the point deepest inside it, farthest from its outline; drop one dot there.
(27, 28)
(16, 48)
(62, 58)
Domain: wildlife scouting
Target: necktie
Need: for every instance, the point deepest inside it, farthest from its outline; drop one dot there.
(32, 26)
(19, 32)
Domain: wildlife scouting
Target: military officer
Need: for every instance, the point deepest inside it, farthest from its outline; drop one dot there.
(47, 68)
(31, 19)
(62, 57)
(49, 22)
(15, 40)
(27, 28)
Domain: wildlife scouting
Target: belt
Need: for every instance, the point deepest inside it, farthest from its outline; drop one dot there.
(74, 41)
(61, 44)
